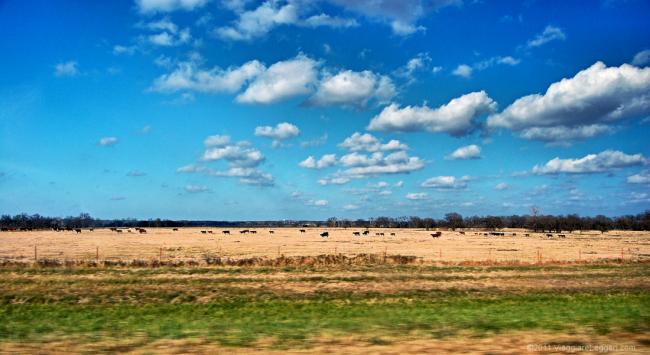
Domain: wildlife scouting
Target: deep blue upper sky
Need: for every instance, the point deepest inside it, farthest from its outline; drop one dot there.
(239, 110)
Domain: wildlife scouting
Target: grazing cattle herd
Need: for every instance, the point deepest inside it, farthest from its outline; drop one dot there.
(323, 234)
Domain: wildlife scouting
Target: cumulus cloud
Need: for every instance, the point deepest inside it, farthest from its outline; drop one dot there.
(642, 58)
(604, 161)
(502, 186)
(368, 156)
(325, 161)
(401, 16)
(196, 188)
(417, 196)
(446, 182)
(281, 132)
(188, 76)
(242, 159)
(550, 33)
(579, 107)
(471, 151)
(367, 142)
(640, 178)
(458, 117)
(317, 203)
(70, 68)
(258, 22)
(153, 6)
(418, 63)
(463, 70)
(281, 80)
(107, 141)
(350, 88)
(466, 71)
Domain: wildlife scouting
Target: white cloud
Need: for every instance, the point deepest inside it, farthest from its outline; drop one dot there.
(581, 106)
(128, 50)
(329, 21)
(153, 6)
(417, 196)
(550, 33)
(642, 58)
(401, 16)
(463, 70)
(367, 142)
(196, 188)
(216, 140)
(242, 159)
(458, 117)
(502, 186)
(605, 161)
(336, 180)
(70, 68)
(257, 23)
(471, 151)
(466, 71)
(351, 88)
(350, 207)
(282, 131)
(640, 178)
(418, 63)
(318, 203)
(188, 76)
(167, 39)
(446, 182)
(325, 161)
(399, 184)
(394, 163)
(281, 80)
(107, 141)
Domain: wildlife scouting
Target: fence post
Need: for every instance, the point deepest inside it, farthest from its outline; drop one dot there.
(97, 256)
(35, 255)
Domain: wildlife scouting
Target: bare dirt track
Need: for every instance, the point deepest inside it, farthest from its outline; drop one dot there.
(190, 243)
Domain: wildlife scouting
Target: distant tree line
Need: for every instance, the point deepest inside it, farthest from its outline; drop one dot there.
(533, 221)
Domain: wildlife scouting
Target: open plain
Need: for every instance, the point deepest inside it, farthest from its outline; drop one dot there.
(182, 291)
(451, 246)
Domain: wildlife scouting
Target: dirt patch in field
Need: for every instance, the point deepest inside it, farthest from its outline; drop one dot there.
(508, 343)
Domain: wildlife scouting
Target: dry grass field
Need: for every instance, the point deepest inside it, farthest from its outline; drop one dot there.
(451, 247)
(300, 293)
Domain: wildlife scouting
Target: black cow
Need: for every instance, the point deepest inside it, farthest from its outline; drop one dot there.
(77, 230)
(175, 229)
(392, 234)
(271, 232)
(325, 234)
(365, 232)
(226, 232)
(142, 231)
(302, 231)
(436, 234)
(203, 232)
(253, 232)
(356, 234)
(243, 231)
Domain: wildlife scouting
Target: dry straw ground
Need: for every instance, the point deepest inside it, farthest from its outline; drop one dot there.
(452, 247)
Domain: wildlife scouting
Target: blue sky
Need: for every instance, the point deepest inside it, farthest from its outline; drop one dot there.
(242, 110)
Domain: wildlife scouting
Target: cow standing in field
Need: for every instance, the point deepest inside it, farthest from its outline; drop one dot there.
(77, 230)
(204, 232)
(357, 234)
(436, 234)
(325, 234)
(302, 231)
(392, 234)
(253, 232)
(366, 232)
(226, 232)
(175, 229)
(243, 231)
(142, 231)
(271, 232)
(118, 231)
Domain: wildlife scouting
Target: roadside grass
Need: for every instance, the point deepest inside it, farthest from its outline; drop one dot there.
(242, 321)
